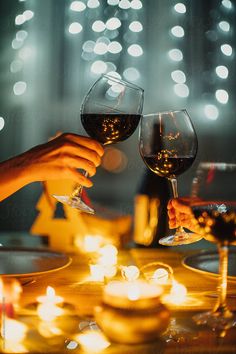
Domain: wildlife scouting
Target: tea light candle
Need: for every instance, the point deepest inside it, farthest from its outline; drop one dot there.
(136, 295)
(135, 311)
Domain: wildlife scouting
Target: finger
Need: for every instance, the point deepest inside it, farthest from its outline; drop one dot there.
(85, 141)
(78, 177)
(71, 148)
(80, 163)
(179, 206)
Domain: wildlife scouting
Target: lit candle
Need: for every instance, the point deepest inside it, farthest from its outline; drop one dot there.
(50, 297)
(108, 255)
(10, 290)
(137, 294)
(47, 305)
(13, 333)
(136, 300)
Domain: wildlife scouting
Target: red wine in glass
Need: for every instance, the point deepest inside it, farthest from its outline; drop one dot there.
(110, 113)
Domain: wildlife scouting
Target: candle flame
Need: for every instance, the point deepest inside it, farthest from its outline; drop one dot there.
(50, 292)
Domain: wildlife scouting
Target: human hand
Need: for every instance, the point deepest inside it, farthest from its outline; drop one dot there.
(61, 157)
(180, 214)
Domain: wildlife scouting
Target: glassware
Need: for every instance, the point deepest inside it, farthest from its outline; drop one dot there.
(168, 145)
(110, 113)
(213, 203)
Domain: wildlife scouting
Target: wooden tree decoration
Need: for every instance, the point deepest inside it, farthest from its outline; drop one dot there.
(60, 231)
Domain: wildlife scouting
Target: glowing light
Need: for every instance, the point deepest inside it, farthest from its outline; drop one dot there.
(19, 20)
(181, 90)
(177, 31)
(114, 47)
(115, 75)
(92, 341)
(222, 96)
(100, 48)
(224, 26)
(136, 26)
(226, 49)
(136, 4)
(16, 66)
(21, 35)
(98, 67)
(110, 66)
(178, 76)
(28, 14)
(211, 111)
(96, 272)
(98, 26)
(180, 8)
(124, 4)
(75, 28)
(178, 293)
(16, 44)
(108, 255)
(160, 276)
(133, 292)
(175, 54)
(26, 53)
(113, 2)
(48, 312)
(19, 88)
(93, 4)
(14, 331)
(222, 71)
(77, 6)
(113, 23)
(92, 243)
(130, 273)
(2, 123)
(50, 297)
(131, 74)
(135, 50)
(88, 46)
(227, 4)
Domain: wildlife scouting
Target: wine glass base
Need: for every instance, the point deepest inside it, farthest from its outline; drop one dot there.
(216, 320)
(74, 202)
(180, 239)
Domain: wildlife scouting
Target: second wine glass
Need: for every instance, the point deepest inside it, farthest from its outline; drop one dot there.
(110, 113)
(168, 145)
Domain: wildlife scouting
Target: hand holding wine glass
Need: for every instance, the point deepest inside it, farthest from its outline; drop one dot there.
(213, 204)
(168, 146)
(110, 113)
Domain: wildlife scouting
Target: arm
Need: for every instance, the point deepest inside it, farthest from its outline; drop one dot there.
(59, 158)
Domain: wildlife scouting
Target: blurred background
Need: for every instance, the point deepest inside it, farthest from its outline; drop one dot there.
(181, 52)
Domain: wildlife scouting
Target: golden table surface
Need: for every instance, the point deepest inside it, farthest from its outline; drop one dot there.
(72, 283)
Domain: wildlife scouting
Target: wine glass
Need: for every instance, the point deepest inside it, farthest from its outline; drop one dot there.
(168, 146)
(213, 203)
(110, 113)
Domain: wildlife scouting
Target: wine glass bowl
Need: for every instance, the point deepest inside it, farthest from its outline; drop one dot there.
(213, 203)
(168, 145)
(110, 113)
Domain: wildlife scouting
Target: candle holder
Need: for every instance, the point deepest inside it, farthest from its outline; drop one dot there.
(134, 310)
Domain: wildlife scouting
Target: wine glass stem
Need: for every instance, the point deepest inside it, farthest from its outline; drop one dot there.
(221, 306)
(77, 192)
(174, 187)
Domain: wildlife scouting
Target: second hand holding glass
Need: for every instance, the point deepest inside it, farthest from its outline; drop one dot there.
(168, 145)
(110, 113)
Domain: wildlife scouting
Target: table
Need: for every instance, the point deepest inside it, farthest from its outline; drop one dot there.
(71, 283)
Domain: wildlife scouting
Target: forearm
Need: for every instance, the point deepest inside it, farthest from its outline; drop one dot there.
(13, 176)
